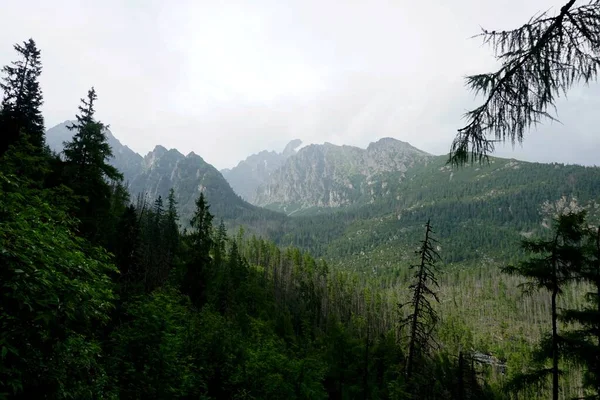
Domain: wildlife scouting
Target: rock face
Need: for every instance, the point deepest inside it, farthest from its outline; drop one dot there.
(255, 170)
(162, 169)
(188, 175)
(333, 176)
(124, 159)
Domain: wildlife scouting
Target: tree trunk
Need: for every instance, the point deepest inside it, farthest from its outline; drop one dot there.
(597, 358)
(554, 345)
(366, 369)
(461, 383)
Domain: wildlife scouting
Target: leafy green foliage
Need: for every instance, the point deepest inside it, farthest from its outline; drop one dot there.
(55, 293)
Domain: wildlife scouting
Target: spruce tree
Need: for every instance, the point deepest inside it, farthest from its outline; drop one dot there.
(198, 266)
(20, 112)
(127, 254)
(171, 229)
(89, 150)
(556, 261)
(87, 170)
(583, 343)
(422, 319)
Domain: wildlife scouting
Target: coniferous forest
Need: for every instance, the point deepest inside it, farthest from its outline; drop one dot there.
(106, 295)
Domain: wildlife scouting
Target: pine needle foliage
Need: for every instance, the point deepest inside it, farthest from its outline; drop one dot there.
(556, 262)
(540, 61)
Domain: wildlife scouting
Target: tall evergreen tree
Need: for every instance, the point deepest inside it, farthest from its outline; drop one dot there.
(128, 249)
(89, 150)
(584, 342)
(171, 229)
(20, 112)
(198, 266)
(556, 262)
(87, 170)
(422, 319)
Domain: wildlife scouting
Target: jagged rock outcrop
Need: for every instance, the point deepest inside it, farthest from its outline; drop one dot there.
(333, 176)
(162, 169)
(255, 170)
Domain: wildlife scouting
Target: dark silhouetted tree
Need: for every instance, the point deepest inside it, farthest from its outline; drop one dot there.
(20, 112)
(423, 318)
(584, 342)
(556, 261)
(540, 61)
(87, 170)
(198, 266)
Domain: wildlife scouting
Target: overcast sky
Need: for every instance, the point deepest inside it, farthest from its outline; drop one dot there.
(229, 78)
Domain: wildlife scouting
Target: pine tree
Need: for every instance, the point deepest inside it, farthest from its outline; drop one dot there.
(198, 266)
(20, 112)
(423, 318)
(557, 262)
(540, 60)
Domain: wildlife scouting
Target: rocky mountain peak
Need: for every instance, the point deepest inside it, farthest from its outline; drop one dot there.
(256, 169)
(396, 145)
(291, 147)
(328, 175)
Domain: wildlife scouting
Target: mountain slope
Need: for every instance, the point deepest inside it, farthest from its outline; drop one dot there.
(366, 207)
(255, 170)
(334, 176)
(161, 169)
(478, 212)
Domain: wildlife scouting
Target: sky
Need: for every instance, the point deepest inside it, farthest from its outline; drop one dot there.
(226, 79)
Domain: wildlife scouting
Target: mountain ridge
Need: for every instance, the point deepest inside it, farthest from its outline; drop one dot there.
(385, 193)
(162, 169)
(328, 175)
(255, 169)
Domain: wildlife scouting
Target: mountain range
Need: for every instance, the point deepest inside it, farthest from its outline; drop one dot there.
(255, 171)
(154, 174)
(362, 206)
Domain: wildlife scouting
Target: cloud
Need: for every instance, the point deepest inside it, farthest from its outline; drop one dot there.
(227, 79)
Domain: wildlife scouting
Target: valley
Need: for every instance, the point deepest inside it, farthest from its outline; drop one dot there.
(360, 208)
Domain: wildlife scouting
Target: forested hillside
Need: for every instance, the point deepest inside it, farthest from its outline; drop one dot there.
(103, 295)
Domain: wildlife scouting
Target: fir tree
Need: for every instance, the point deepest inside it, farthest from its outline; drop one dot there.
(128, 255)
(220, 244)
(584, 342)
(171, 229)
(198, 268)
(87, 169)
(89, 150)
(557, 261)
(20, 112)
